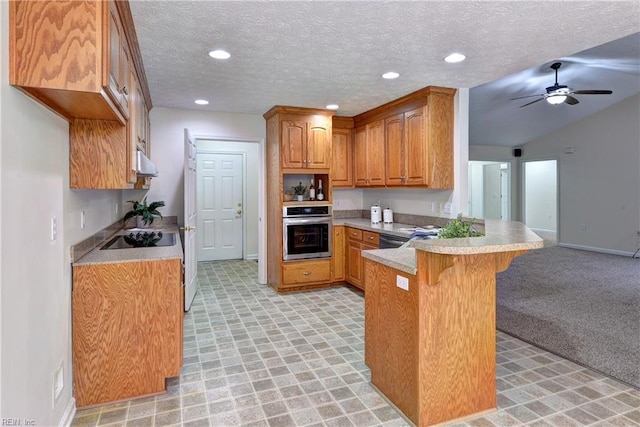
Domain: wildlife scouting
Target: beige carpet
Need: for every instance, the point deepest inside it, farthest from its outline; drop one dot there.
(581, 305)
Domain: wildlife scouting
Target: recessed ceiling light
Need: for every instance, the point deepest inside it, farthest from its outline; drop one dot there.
(332, 107)
(455, 57)
(219, 54)
(201, 101)
(391, 75)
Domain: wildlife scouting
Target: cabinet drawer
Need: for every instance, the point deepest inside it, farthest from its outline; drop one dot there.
(306, 272)
(370, 238)
(354, 234)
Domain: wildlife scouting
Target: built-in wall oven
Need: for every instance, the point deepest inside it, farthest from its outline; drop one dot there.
(306, 232)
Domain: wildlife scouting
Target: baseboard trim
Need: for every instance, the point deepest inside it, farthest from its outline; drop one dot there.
(251, 256)
(69, 413)
(592, 249)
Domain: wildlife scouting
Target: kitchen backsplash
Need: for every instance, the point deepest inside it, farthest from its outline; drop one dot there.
(417, 220)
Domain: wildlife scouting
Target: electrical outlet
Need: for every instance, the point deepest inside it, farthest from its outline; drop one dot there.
(117, 208)
(583, 227)
(448, 208)
(336, 203)
(83, 219)
(402, 282)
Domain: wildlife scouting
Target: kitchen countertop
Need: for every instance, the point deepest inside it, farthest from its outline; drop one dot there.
(108, 256)
(501, 236)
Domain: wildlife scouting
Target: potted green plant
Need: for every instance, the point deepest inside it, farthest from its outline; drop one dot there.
(459, 227)
(144, 213)
(299, 190)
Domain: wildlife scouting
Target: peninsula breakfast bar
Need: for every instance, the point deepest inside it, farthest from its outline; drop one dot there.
(430, 321)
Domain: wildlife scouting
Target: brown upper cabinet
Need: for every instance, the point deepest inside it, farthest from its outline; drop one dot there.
(368, 155)
(342, 152)
(74, 56)
(306, 144)
(416, 136)
(82, 60)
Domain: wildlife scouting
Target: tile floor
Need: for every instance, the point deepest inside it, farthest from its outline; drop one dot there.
(256, 358)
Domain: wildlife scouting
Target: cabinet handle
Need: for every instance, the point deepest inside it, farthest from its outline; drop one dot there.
(370, 237)
(306, 273)
(124, 90)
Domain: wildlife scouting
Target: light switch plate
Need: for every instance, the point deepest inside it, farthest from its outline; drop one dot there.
(402, 282)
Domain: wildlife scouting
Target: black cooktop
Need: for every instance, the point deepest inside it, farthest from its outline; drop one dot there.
(141, 239)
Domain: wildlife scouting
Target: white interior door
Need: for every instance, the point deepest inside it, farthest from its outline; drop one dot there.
(220, 206)
(190, 216)
(492, 192)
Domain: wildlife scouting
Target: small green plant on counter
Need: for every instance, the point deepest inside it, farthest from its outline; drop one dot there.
(459, 228)
(299, 189)
(147, 212)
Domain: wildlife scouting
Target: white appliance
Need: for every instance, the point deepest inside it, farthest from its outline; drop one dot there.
(387, 216)
(376, 216)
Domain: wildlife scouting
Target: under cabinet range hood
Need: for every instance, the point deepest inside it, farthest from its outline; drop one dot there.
(146, 166)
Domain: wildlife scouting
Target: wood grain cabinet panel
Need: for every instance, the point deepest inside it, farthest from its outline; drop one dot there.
(127, 329)
(338, 255)
(395, 155)
(341, 158)
(369, 155)
(306, 272)
(358, 241)
(306, 144)
(69, 55)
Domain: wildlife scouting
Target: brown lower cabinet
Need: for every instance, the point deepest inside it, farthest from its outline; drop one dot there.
(338, 256)
(301, 274)
(357, 241)
(127, 329)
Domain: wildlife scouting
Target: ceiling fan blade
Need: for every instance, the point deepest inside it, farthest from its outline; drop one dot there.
(528, 96)
(592, 92)
(571, 100)
(532, 102)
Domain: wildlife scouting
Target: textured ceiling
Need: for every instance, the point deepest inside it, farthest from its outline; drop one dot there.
(313, 53)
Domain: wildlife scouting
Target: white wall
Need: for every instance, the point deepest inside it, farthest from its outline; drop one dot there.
(540, 194)
(599, 200)
(167, 152)
(35, 302)
(501, 154)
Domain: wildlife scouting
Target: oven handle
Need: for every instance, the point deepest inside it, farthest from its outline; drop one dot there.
(313, 220)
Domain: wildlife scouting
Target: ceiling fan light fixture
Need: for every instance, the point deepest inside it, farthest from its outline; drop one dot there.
(391, 75)
(332, 107)
(454, 57)
(556, 99)
(201, 101)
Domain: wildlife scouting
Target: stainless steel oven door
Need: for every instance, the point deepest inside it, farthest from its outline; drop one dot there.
(305, 238)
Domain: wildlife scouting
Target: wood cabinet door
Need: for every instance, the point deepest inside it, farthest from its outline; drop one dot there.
(133, 128)
(341, 159)
(113, 48)
(360, 157)
(394, 150)
(338, 257)
(318, 149)
(354, 264)
(293, 140)
(375, 154)
(415, 142)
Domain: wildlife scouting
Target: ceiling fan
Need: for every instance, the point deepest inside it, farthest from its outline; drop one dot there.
(557, 94)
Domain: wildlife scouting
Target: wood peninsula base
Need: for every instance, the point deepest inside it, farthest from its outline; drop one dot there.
(432, 348)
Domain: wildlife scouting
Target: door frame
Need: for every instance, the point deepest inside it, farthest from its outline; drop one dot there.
(262, 208)
(244, 189)
(523, 191)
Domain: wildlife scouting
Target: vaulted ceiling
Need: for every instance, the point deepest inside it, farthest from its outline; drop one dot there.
(313, 53)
